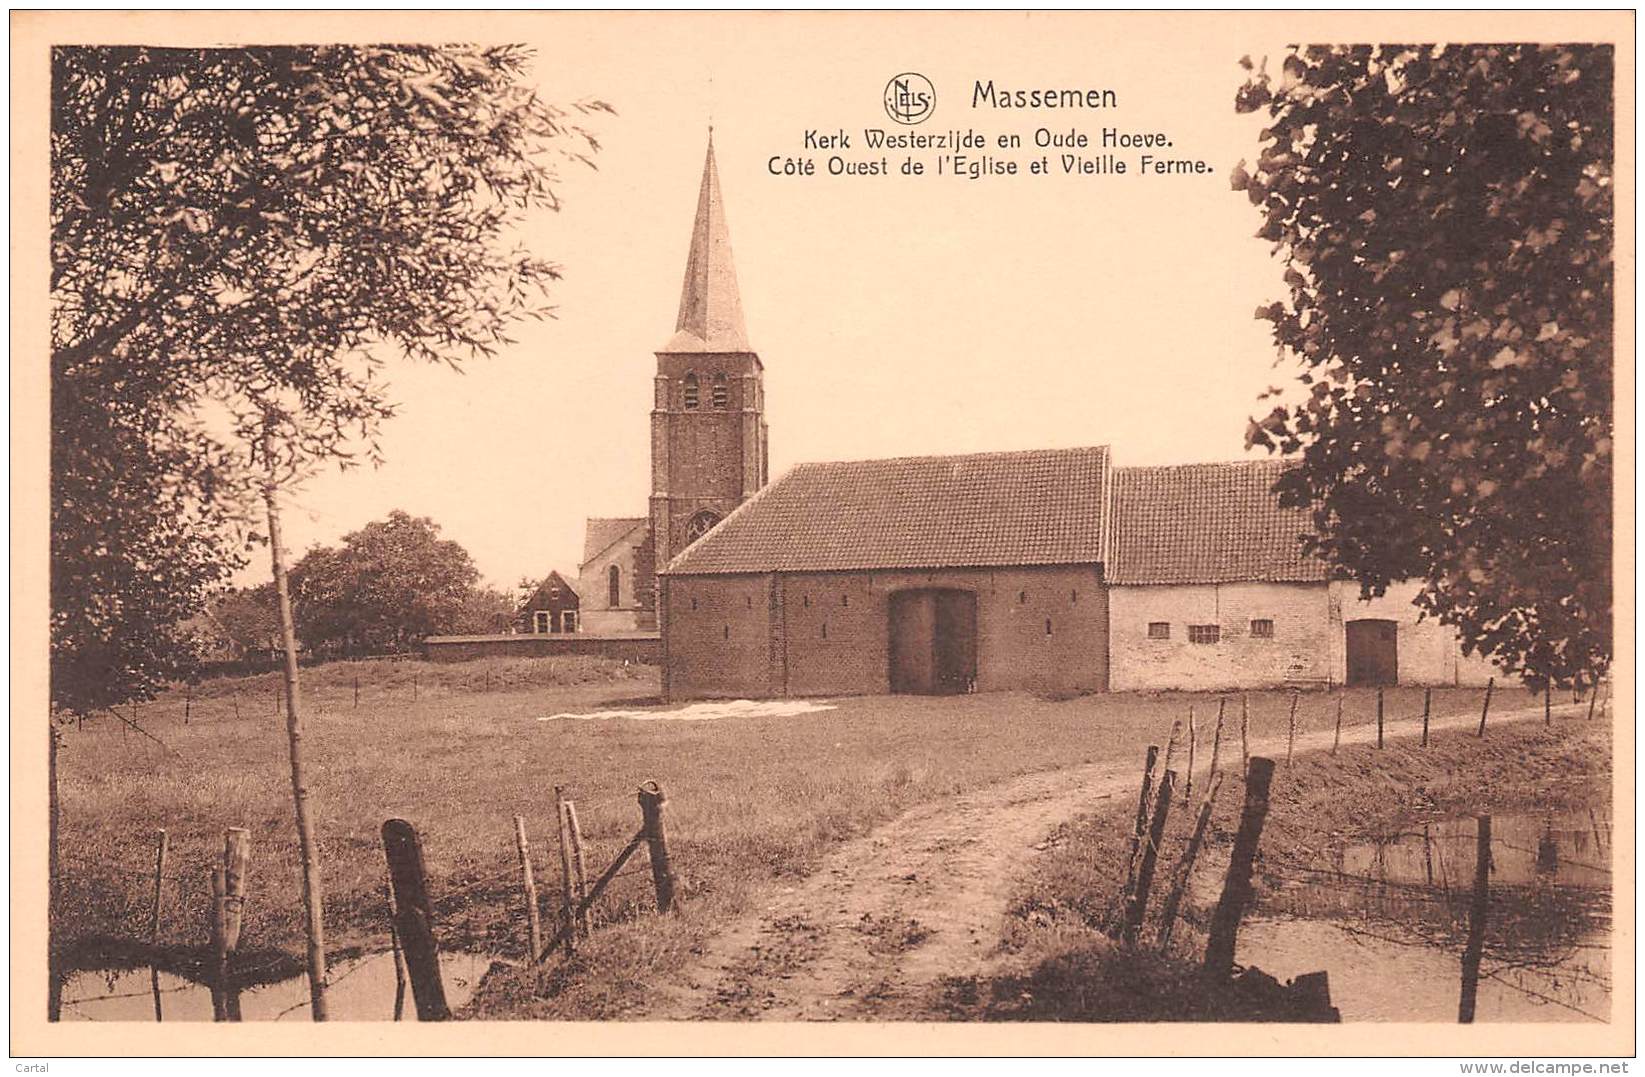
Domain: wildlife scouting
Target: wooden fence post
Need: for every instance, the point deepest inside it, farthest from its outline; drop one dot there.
(237, 703)
(1486, 709)
(1427, 708)
(1193, 738)
(160, 850)
(1244, 731)
(356, 691)
(219, 948)
(578, 870)
(1379, 716)
(236, 865)
(1291, 731)
(1142, 819)
(1171, 744)
(414, 919)
(1185, 866)
(568, 904)
(414, 687)
(1236, 888)
(1216, 737)
(1548, 703)
(188, 701)
(398, 952)
(1476, 923)
(1138, 908)
(1336, 741)
(652, 803)
(1593, 695)
(534, 927)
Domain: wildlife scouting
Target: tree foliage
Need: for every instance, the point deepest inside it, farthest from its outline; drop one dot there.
(239, 238)
(392, 583)
(1445, 218)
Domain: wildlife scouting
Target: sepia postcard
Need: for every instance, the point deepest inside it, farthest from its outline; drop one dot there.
(823, 533)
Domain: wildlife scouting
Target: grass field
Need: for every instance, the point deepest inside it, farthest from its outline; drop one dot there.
(751, 800)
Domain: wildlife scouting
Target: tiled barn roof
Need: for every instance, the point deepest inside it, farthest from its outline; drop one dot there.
(1207, 523)
(1043, 507)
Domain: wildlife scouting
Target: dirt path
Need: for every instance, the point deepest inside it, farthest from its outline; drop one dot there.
(922, 896)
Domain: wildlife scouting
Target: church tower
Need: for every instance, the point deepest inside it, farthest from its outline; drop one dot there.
(708, 431)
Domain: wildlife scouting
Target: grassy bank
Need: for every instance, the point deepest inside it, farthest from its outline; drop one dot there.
(1061, 962)
(456, 749)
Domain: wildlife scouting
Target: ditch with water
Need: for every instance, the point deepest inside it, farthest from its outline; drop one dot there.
(1388, 920)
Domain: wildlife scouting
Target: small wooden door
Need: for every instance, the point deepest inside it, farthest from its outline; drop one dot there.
(933, 641)
(1373, 652)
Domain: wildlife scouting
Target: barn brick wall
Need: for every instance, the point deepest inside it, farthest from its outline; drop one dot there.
(827, 633)
(1429, 653)
(1308, 645)
(1299, 652)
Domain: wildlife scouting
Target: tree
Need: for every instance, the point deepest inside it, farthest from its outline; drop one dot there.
(240, 235)
(1445, 218)
(487, 611)
(392, 583)
(248, 619)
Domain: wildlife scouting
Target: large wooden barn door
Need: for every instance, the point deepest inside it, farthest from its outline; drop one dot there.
(1373, 652)
(933, 641)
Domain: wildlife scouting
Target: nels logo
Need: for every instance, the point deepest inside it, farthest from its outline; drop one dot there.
(910, 98)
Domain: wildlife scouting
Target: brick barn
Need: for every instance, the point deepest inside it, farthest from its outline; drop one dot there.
(1210, 589)
(935, 574)
(551, 608)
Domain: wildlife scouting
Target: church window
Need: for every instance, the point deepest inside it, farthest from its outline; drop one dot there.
(541, 621)
(1262, 628)
(690, 391)
(722, 394)
(1204, 633)
(613, 587)
(700, 525)
(1159, 629)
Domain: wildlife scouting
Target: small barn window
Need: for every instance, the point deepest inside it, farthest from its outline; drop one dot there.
(727, 631)
(721, 395)
(1262, 628)
(845, 600)
(693, 603)
(1073, 597)
(750, 600)
(542, 621)
(1159, 629)
(825, 630)
(805, 600)
(1048, 626)
(613, 587)
(1022, 596)
(690, 391)
(1204, 633)
(568, 621)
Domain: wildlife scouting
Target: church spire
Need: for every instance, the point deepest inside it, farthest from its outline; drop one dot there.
(711, 311)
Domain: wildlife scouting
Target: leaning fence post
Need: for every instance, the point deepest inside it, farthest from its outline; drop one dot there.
(1150, 856)
(160, 850)
(534, 928)
(1379, 716)
(414, 919)
(1185, 866)
(1236, 888)
(568, 904)
(578, 870)
(1336, 741)
(1490, 684)
(1427, 707)
(1548, 703)
(1216, 737)
(1171, 744)
(652, 802)
(1593, 694)
(1142, 818)
(1476, 923)
(188, 701)
(1245, 730)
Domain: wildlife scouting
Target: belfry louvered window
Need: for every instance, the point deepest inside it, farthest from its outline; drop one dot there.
(721, 393)
(691, 391)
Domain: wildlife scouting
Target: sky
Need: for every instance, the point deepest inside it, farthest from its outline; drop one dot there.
(894, 315)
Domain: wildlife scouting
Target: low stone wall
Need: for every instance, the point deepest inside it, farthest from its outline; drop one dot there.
(633, 647)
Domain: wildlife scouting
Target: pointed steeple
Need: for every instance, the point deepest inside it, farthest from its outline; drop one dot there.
(711, 310)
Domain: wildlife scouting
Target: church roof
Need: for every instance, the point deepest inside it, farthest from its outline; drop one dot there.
(1043, 507)
(603, 532)
(711, 310)
(1208, 523)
